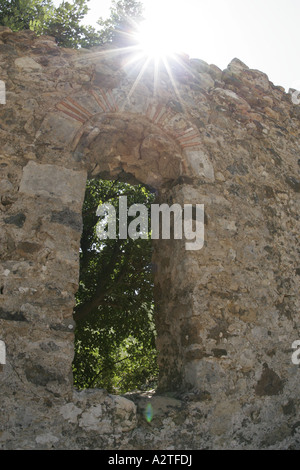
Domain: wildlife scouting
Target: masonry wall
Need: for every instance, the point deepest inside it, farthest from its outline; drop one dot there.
(227, 315)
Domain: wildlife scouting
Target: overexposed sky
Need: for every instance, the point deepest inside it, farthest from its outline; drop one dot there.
(264, 34)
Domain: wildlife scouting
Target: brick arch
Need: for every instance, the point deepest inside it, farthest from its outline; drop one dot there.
(75, 115)
(116, 144)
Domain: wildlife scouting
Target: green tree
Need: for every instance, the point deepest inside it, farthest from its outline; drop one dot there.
(122, 22)
(65, 21)
(115, 334)
(65, 24)
(25, 14)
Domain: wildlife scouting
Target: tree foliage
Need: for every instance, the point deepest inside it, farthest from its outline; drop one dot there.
(65, 25)
(25, 14)
(123, 19)
(65, 21)
(115, 335)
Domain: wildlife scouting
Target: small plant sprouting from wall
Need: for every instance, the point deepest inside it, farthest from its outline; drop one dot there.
(115, 332)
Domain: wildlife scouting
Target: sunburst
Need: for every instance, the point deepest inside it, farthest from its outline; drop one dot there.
(155, 49)
(148, 47)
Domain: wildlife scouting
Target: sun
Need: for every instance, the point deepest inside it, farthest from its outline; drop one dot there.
(157, 40)
(156, 49)
(156, 46)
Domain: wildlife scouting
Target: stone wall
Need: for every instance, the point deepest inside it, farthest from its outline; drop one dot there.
(227, 315)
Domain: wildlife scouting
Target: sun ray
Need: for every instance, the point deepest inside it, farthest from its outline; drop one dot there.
(136, 82)
(155, 75)
(181, 62)
(169, 72)
(152, 49)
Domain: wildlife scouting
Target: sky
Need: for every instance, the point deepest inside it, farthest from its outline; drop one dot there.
(264, 34)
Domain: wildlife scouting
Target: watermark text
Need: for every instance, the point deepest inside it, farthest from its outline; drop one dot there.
(187, 221)
(2, 353)
(296, 353)
(2, 92)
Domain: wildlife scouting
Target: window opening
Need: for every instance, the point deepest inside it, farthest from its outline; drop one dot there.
(114, 312)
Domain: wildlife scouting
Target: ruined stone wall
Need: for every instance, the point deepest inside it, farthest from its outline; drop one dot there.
(227, 315)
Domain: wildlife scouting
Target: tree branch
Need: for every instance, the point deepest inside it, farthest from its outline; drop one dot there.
(82, 311)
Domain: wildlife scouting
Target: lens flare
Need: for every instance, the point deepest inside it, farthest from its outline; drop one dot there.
(149, 413)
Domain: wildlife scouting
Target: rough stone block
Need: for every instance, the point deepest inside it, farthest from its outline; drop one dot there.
(52, 181)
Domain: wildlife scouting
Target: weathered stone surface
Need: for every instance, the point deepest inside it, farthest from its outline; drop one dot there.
(27, 63)
(53, 181)
(226, 315)
(269, 383)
